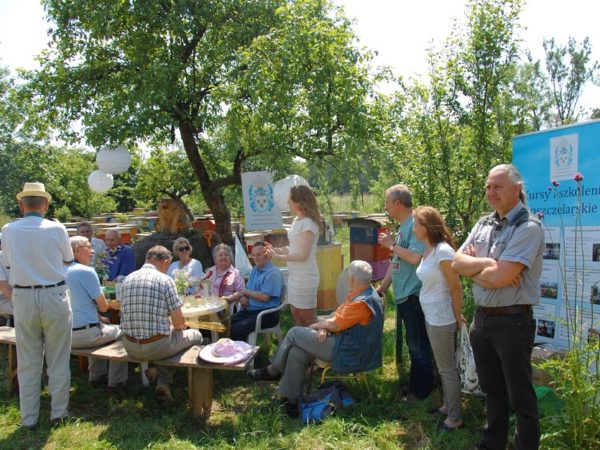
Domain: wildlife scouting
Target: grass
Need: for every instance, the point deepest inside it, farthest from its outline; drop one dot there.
(244, 416)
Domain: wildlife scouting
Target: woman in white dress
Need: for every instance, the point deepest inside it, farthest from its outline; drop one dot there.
(186, 264)
(303, 273)
(441, 300)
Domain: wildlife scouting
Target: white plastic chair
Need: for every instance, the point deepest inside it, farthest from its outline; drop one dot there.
(276, 330)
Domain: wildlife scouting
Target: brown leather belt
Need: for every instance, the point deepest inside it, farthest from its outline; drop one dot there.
(156, 337)
(501, 310)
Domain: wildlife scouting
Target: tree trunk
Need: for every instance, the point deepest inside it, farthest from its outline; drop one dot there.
(212, 195)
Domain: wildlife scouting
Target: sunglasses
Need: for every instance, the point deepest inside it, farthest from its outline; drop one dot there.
(183, 249)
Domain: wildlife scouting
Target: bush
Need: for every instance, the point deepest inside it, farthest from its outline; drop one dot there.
(62, 213)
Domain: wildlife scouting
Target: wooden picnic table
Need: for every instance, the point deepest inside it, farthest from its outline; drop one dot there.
(200, 373)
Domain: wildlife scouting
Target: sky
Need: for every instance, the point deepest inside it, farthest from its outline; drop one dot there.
(400, 31)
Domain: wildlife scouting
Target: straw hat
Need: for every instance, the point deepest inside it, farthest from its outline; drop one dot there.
(34, 190)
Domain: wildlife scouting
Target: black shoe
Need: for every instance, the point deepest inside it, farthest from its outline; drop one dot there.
(33, 427)
(59, 421)
(263, 374)
(119, 388)
(435, 410)
(95, 384)
(291, 409)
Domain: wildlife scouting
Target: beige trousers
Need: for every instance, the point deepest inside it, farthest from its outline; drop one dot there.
(43, 324)
(93, 337)
(177, 341)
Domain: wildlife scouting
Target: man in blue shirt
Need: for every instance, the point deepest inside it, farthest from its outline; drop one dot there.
(263, 291)
(407, 252)
(87, 299)
(119, 258)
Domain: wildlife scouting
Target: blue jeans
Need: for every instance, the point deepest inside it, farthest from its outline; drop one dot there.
(421, 366)
(243, 323)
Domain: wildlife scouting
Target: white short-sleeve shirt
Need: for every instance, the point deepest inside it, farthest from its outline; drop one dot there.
(36, 250)
(435, 293)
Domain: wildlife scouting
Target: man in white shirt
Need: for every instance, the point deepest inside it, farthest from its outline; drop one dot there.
(36, 251)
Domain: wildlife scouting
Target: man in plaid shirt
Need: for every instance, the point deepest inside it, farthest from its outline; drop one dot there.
(151, 318)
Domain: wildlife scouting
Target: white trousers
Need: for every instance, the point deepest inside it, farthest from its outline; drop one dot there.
(43, 324)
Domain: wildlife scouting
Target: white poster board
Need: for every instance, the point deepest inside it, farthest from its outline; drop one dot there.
(259, 204)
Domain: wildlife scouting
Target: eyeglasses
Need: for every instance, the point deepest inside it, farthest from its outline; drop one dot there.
(183, 249)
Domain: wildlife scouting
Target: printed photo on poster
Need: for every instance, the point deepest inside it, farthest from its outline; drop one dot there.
(549, 289)
(545, 328)
(552, 251)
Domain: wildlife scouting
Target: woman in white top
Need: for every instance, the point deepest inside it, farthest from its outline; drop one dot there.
(303, 273)
(441, 300)
(190, 266)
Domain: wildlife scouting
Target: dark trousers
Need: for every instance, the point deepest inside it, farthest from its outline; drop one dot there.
(502, 346)
(421, 364)
(243, 323)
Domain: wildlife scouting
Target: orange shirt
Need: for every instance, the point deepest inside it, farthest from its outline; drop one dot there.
(350, 313)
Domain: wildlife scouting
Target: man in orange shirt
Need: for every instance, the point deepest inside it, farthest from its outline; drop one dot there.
(361, 314)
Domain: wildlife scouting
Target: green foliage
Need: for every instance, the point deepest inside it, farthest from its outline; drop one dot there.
(62, 213)
(247, 84)
(577, 383)
(567, 78)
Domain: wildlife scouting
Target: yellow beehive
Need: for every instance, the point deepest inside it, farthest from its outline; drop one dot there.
(329, 260)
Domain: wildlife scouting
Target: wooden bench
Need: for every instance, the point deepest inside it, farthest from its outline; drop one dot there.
(200, 374)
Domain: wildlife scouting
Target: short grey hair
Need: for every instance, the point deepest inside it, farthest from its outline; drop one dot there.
(78, 241)
(115, 232)
(33, 201)
(158, 253)
(514, 176)
(401, 193)
(180, 240)
(361, 271)
(222, 247)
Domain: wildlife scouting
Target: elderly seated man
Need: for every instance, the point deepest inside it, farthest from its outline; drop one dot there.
(151, 318)
(87, 299)
(262, 292)
(351, 340)
(119, 258)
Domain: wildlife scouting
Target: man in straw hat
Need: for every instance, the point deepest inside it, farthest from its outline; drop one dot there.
(36, 251)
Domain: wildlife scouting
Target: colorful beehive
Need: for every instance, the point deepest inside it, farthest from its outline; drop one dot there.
(330, 262)
(363, 243)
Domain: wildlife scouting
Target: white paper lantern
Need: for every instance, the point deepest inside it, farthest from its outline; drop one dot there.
(281, 189)
(113, 160)
(100, 181)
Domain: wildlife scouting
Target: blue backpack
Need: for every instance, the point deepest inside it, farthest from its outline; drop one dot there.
(328, 398)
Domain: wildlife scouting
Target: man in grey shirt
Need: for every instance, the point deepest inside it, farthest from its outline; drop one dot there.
(503, 257)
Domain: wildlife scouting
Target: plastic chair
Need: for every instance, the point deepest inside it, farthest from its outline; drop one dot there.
(276, 330)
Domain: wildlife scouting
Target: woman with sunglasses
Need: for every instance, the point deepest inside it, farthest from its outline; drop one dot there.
(190, 266)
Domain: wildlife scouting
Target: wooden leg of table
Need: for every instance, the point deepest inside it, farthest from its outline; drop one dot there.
(201, 390)
(13, 382)
(83, 364)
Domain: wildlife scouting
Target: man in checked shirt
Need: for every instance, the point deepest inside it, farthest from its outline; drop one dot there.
(151, 317)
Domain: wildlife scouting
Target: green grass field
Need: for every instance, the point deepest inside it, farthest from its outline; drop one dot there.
(245, 415)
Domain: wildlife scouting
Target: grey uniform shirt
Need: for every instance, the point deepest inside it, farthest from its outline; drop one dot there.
(502, 240)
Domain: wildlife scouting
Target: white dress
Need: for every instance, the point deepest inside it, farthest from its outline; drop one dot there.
(303, 276)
